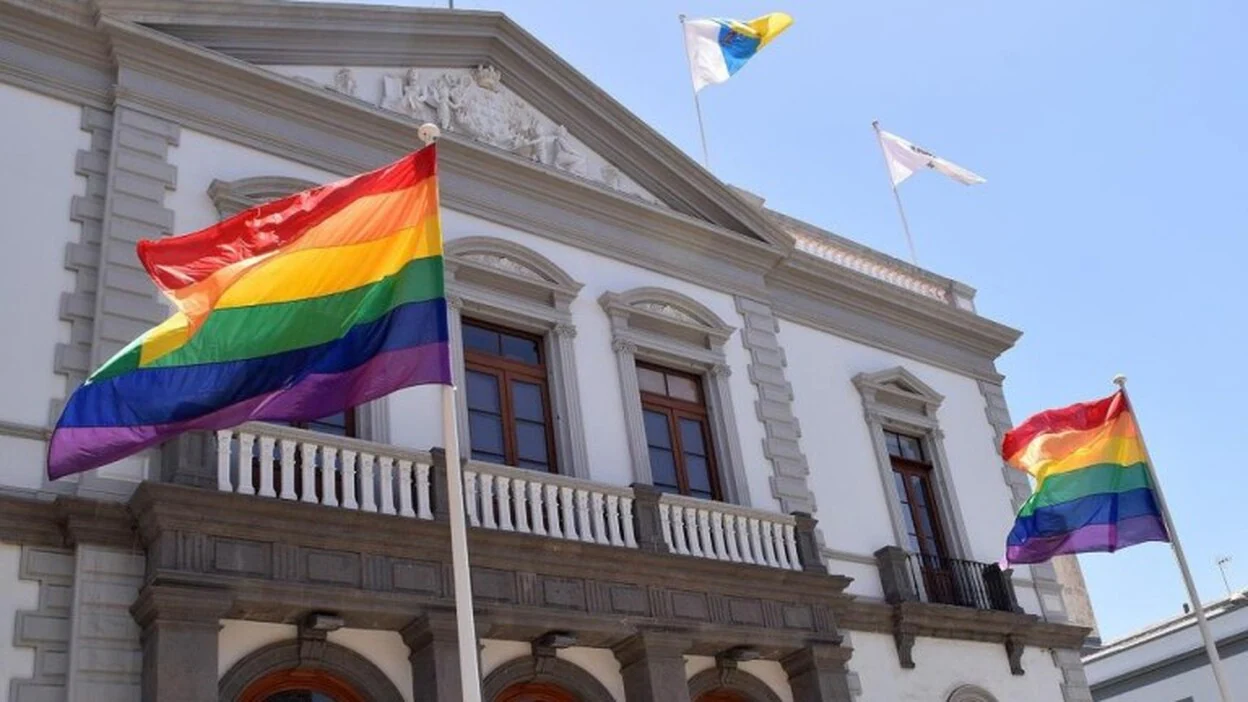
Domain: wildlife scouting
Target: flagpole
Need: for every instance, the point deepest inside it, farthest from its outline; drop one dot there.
(697, 104)
(1211, 648)
(466, 629)
(914, 258)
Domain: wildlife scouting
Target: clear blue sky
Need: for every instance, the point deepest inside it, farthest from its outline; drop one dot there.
(1111, 229)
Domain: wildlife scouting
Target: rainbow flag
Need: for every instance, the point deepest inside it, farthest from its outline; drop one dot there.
(290, 311)
(1093, 491)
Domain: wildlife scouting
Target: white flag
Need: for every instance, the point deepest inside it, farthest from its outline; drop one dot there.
(905, 158)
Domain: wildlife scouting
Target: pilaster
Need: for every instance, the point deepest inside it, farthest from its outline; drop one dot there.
(818, 673)
(179, 626)
(434, 644)
(652, 664)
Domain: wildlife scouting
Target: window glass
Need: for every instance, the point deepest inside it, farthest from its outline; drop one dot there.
(658, 430)
(681, 456)
(483, 393)
(683, 388)
(508, 405)
(521, 349)
(481, 339)
(650, 380)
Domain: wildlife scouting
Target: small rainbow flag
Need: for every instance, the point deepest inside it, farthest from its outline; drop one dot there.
(290, 311)
(1093, 491)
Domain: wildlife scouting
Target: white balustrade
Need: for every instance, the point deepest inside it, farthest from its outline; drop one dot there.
(555, 506)
(724, 532)
(293, 464)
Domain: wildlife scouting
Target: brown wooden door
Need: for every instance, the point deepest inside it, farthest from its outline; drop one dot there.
(722, 696)
(535, 692)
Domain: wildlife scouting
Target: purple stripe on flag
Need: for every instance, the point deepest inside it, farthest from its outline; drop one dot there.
(74, 449)
(1094, 537)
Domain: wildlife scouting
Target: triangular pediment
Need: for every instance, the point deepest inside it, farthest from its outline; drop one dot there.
(478, 73)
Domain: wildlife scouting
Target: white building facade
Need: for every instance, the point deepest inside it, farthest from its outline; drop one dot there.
(716, 453)
(1167, 662)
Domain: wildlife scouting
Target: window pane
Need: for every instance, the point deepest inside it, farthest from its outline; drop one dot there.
(531, 442)
(926, 517)
(911, 448)
(526, 401)
(483, 392)
(920, 494)
(335, 424)
(479, 339)
(663, 469)
(683, 388)
(485, 432)
(894, 443)
(914, 544)
(658, 433)
(650, 381)
(900, 481)
(908, 517)
(698, 472)
(520, 349)
(691, 437)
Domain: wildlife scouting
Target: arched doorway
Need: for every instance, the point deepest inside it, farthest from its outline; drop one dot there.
(297, 685)
(535, 692)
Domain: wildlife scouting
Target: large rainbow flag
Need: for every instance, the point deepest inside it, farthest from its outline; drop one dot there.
(1093, 491)
(290, 311)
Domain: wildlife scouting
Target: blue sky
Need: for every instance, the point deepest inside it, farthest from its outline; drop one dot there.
(1111, 229)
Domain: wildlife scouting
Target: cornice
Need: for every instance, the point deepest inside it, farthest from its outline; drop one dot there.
(960, 623)
(328, 34)
(52, 48)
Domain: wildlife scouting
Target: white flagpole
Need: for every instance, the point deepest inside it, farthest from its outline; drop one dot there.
(470, 676)
(1211, 647)
(697, 105)
(914, 258)
(466, 630)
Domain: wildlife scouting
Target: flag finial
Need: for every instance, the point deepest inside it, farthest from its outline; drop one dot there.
(1121, 381)
(428, 133)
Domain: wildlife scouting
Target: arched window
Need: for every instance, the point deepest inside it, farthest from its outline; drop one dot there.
(298, 685)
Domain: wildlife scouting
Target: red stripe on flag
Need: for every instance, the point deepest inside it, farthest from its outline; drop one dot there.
(1077, 417)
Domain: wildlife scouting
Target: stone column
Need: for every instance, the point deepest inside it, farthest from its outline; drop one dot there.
(646, 520)
(179, 626)
(190, 459)
(818, 673)
(652, 664)
(434, 657)
(626, 362)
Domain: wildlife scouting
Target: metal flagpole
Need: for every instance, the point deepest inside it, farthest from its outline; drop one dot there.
(914, 258)
(697, 104)
(1211, 648)
(466, 630)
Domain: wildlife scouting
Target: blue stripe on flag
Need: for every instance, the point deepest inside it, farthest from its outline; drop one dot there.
(737, 47)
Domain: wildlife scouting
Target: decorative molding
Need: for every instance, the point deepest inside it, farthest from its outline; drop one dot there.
(52, 48)
(545, 669)
(506, 283)
(896, 399)
(774, 407)
(730, 678)
(234, 196)
(665, 327)
(339, 661)
(46, 628)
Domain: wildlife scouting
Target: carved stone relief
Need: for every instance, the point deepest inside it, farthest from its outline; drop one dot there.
(475, 103)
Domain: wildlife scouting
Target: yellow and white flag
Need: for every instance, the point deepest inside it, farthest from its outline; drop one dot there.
(905, 158)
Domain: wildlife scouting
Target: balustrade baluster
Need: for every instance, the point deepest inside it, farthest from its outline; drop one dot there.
(569, 514)
(582, 514)
(307, 467)
(717, 535)
(731, 538)
(224, 483)
(470, 497)
(519, 488)
(405, 489)
(288, 469)
(504, 505)
(626, 510)
(678, 530)
(329, 471)
(386, 483)
(487, 501)
(424, 507)
(665, 519)
(777, 540)
(368, 485)
(790, 546)
(704, 533)
(535, 508)
(756, 546)
(600, 526)
(348, 480)
(265, 461)
(552, 511)
(743, 540)
(246, 461)
(613, 520)
(691, 531)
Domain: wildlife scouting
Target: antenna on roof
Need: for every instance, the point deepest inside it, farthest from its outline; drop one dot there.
(1222, 563)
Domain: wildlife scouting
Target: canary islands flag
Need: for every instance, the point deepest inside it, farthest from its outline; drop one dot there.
(290, 311)
(718, 48)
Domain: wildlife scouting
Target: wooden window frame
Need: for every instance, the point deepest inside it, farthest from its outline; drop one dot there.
(675, 410)
(504, 370)
(923, 469)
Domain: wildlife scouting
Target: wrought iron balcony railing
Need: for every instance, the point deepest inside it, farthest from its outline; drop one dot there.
(917, 577)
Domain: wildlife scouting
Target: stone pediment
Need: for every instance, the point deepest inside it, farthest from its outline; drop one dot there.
(475, 103)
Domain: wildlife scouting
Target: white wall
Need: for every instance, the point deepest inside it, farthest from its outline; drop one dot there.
(844, 472)
(15, 595)
(43, 136)
(941, 666)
